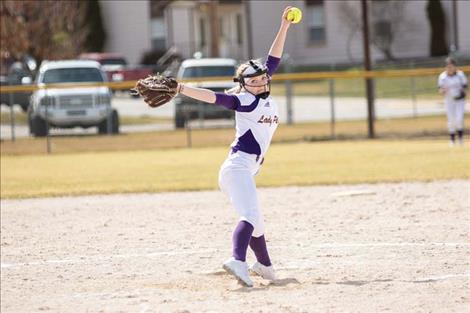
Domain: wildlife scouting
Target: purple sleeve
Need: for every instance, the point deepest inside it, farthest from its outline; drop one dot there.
(229, 101)
(272, 63)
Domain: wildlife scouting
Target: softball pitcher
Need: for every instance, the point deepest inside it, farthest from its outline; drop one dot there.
(453, 84)
(256, 117)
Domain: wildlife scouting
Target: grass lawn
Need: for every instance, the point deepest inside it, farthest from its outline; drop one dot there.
(387, 128)
(197, 168)
(22, 119)
(389, 87)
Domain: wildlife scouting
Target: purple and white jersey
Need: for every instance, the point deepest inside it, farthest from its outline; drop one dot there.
(256, 118)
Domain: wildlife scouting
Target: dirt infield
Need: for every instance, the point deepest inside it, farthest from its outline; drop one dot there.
(364, 248)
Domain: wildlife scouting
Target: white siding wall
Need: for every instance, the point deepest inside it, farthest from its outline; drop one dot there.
(181, 25)
(127, 25)
(265, 19)
(124, 19)
(413, 40)
(464, 26)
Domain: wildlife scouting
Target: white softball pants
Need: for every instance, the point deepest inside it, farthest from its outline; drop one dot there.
(455, 113)
(236, 179)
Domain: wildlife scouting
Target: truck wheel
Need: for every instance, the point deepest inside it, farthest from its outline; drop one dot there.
(24, 107)
(38, 126)
(114, 122)
(103, 126)
(179, 120)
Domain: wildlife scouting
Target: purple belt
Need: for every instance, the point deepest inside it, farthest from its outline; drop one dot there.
(258, 157)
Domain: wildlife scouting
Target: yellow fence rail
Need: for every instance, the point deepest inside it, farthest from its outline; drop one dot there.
(278, 77)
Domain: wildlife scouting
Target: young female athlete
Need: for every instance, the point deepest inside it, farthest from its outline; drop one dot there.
(257, 117)
(453, 84)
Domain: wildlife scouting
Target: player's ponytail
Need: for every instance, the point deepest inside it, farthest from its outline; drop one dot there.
(237, 89)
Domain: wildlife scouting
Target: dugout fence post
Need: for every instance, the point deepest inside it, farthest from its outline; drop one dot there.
(12, 113)
(332, 108)
(413, 93)
(288, 86)
(187, 126)
(332, 105)
(48, 136)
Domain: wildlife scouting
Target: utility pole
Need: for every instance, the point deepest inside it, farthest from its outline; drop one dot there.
(214, 26)
(367, 67)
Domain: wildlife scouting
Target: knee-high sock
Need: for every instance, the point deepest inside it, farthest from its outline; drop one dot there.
(460, 133)
(258, 245)
(241, 240)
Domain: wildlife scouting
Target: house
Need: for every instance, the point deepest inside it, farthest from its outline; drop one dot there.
(329, 33)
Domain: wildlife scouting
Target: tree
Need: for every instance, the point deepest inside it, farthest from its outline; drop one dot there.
(437, 21)
(388, 20)
(45, 29)
(96, 38)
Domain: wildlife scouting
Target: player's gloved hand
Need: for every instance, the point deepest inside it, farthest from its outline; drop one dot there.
(461, 95)
(156, 90)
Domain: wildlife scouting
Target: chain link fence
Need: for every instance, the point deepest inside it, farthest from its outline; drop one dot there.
(331, 103)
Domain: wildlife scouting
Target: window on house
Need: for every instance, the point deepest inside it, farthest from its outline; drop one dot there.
(315, 18)
(158, 33)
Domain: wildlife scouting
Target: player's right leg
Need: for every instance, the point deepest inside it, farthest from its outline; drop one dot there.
(238, 183)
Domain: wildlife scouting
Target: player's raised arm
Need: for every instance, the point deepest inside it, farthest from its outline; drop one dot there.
(278, 44)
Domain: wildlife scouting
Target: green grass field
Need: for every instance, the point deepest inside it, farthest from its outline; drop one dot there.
(386, 128)
(22, 119)
(388, 87)
(196, 169)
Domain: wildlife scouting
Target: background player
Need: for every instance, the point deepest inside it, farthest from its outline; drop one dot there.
(256, 116)
(453, 84)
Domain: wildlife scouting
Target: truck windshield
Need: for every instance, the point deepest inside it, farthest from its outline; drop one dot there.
(72, 75)
(116, 61)
(208, 71)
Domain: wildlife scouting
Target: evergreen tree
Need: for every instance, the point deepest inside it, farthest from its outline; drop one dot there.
(96, 38)
(437, 21)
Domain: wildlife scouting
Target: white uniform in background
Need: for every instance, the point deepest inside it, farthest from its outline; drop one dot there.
(453, 85)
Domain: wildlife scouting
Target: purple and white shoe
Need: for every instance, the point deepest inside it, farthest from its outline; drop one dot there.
(239, 269)
(267, 272)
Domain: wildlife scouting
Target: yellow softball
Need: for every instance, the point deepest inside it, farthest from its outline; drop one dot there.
(294, 15)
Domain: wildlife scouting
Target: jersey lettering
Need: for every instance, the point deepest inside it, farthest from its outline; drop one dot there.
(268, 120)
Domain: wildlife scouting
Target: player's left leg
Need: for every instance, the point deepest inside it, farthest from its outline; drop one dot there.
(262, 266)
(451, 114)
(459, 118)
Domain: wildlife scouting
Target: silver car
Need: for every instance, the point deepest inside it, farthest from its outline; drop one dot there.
(71, 107)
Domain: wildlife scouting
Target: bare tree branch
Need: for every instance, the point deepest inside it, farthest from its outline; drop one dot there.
(46, 29)
(388, 21)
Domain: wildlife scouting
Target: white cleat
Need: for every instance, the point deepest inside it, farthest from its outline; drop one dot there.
(239, 269)
(267, 272)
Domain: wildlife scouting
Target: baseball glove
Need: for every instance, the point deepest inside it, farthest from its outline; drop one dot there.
(461, 95)
(156, 90)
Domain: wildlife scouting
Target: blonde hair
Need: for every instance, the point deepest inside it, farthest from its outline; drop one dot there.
(241, 68)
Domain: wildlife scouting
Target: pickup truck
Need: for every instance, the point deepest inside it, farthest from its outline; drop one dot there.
(18, 74)
(187, 108)
(116, 67)
(85, 106)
